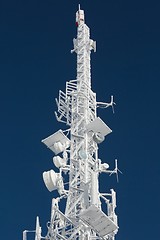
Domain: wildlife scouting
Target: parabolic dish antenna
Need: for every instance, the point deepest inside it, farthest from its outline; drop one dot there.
(50, 180)
(82, 154)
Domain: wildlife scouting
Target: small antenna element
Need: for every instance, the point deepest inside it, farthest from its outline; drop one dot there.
(77, 168)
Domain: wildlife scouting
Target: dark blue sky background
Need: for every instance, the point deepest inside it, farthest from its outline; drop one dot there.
(35, 62)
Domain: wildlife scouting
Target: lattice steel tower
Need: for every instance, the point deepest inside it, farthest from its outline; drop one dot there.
(76, 157)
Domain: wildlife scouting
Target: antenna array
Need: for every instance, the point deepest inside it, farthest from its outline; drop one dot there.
(76, 156)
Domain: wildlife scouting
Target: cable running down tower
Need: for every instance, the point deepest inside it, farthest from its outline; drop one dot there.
(76, 157)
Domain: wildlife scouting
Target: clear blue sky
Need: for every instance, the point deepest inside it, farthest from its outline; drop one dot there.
(35, 62)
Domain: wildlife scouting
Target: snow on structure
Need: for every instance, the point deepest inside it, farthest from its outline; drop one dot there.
(76, 155)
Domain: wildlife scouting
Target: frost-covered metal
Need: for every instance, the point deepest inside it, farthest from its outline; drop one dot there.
(76, 157)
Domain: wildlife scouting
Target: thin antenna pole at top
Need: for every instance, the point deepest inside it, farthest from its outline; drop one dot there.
(79, 6)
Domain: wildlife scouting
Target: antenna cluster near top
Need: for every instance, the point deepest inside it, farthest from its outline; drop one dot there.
(75, 157)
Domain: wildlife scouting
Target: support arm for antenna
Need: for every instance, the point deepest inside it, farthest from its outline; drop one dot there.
(106, 105)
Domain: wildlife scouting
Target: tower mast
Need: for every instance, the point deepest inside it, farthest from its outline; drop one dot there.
(76, 157)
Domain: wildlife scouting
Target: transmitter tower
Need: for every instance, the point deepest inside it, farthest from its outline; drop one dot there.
(76, 157)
